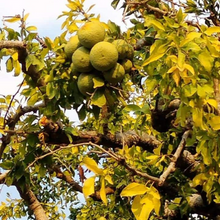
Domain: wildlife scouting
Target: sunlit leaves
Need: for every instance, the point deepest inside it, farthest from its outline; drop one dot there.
(134, 189)
(89, 186)
(142, 206)
(92, 165)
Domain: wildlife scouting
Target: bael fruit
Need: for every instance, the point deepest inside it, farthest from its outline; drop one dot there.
(80, 60)
(91, 33)
(86, 84)
(71, 46)
(115, 75)
(103, 56)
(127, 64)
(124, 49)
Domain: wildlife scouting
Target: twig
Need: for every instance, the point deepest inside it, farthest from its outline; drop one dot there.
(54, 151)
(176, 155)
(3, 176)
(12, 99)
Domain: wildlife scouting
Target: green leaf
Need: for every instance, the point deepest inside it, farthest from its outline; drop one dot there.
(134, 189)
(89, 186)
(114, 4)
(99, 98)
(132, 107)
(50, 90)
(92, 165)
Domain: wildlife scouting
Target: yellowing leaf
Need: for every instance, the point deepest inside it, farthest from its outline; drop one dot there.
(206, 60)
(156, 54)
(181, 60)
(147, 207)
(176, 77)
(215, 123)
(15, 56)
(92, 165)
(212, 102)
(136, 207)
(102, 192)
(88, 186)
(190, 37)
(199, 179)
(212, 30)
(134, 189)
(109, 179)
(197, 115)
(14, 19)
(31, 28)
(26, 16)
(190, 68)
(152, 22)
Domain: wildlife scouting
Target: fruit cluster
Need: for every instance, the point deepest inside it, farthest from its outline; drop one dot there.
(96, 59)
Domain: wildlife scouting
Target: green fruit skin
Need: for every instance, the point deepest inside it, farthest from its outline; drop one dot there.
(125, 50)
(81, 61)
(127, 64)
(115, 75)
(71, 46)
(95, 36)
(85, 83)
(103, 56)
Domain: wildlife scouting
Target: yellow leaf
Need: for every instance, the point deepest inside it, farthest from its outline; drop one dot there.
(152, 22)
(212, 102)
(88, 186)
(190, 68)
(134, 189)
(199, 179)
(181, 60)
(206, 60)
(31, 28)
(190, 37)
(136, 207)
(14, 19)
(176, 77)
(109, 179)
(215, 123)
(212, 30)
(197, 116)
(156, 54)
(102, 192)
(152, 157)
(156, 199)
(147, 207)
(92, 165)
(26, 16)
(172, 69)
(15, 56)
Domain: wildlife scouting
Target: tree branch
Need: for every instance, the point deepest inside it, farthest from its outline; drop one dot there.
(12, 122)
(176, 155)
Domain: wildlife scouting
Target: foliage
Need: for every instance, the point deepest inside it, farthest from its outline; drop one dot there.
(147, 146)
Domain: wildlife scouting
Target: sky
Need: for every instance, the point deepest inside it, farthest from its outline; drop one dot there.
(43, 15)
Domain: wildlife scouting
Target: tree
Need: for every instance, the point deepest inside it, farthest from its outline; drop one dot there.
(147, 146)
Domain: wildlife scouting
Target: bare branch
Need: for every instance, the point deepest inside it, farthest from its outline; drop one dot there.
(176, 155)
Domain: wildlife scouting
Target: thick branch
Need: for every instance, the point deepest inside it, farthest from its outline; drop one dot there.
(33, 203)
(22, 55)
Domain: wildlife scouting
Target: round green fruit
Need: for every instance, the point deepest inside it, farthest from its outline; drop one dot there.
(103, 56)
(115, 75)
(124, 49)
(91, 33)
(85, 83)
(71, 46)
(127, 64)
(81, 61)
